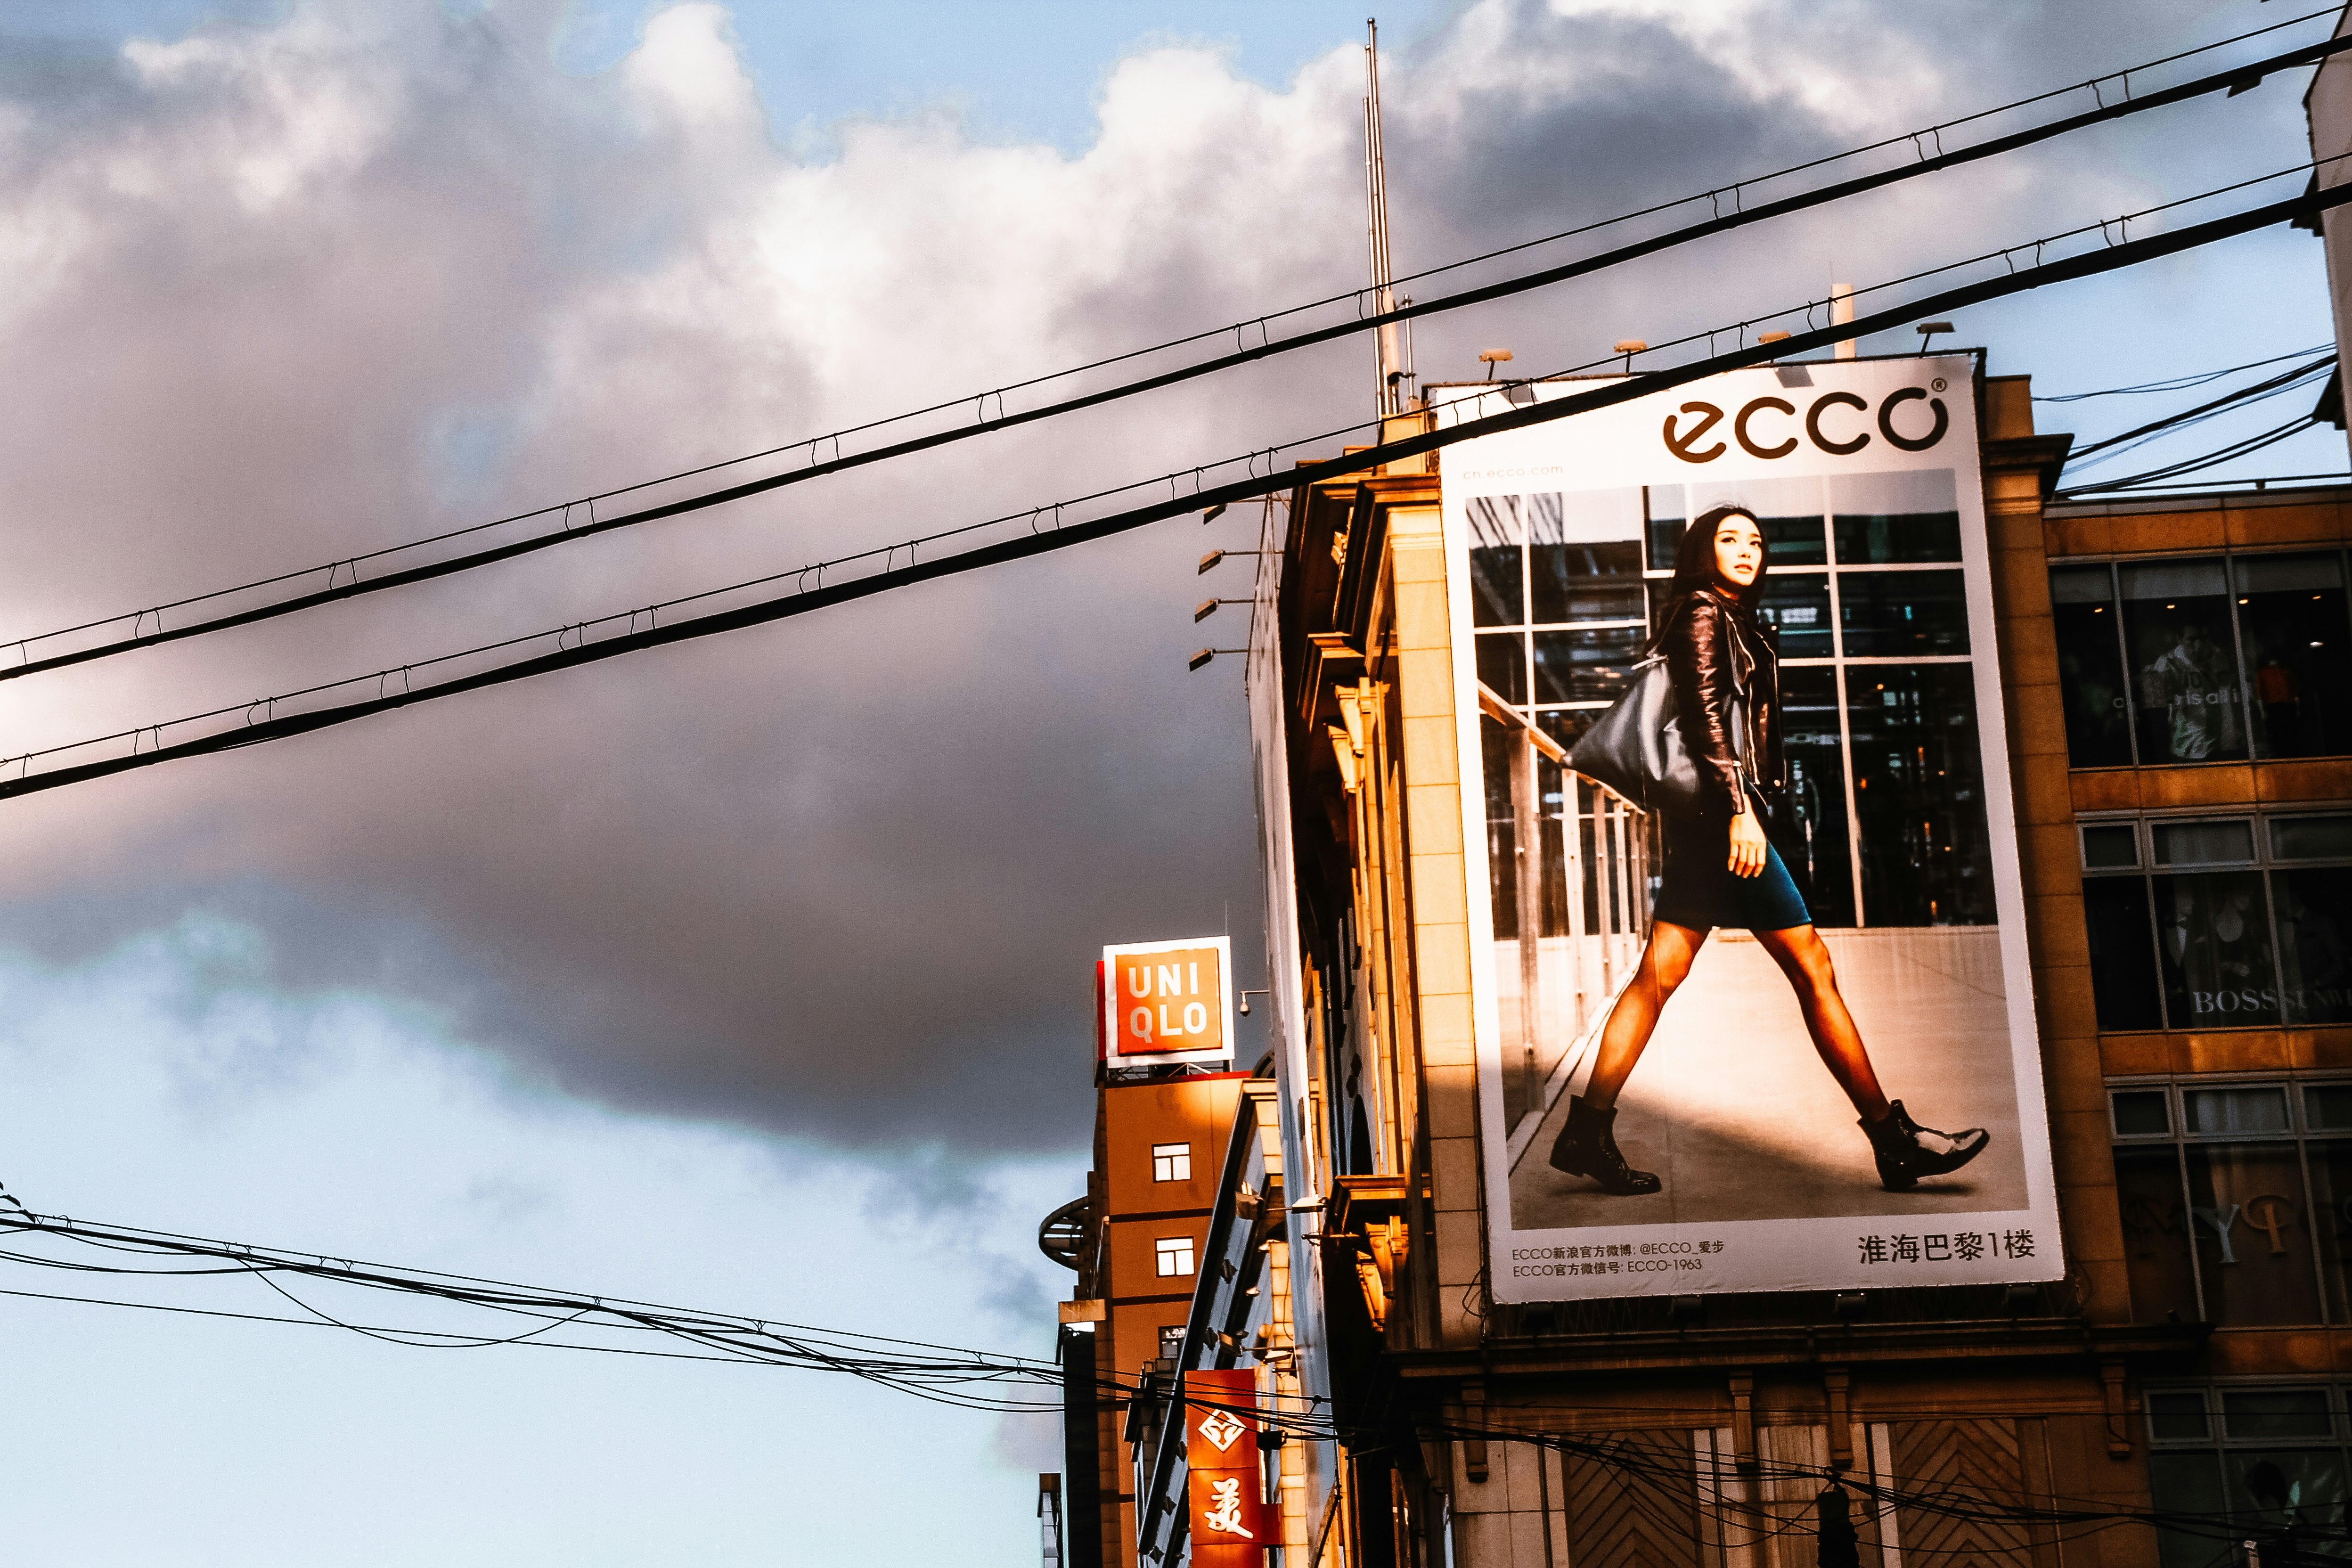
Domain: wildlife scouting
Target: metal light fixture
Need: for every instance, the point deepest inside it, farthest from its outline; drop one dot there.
(1490, 358)
(1928, 330)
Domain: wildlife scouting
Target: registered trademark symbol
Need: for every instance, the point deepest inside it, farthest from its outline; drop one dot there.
(1936, 384)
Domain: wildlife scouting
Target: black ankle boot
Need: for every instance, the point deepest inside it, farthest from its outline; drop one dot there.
(1907, 1151)
(1587, 1146)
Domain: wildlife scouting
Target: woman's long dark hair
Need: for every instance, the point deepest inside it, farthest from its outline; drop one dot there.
(1694, 569)
(1694, 561)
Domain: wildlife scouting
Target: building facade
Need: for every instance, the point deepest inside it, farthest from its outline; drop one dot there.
(2170, 673)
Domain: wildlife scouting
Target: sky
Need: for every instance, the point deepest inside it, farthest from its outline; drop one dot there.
(754, 973)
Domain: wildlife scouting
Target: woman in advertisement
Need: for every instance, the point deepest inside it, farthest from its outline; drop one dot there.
(1721, 870)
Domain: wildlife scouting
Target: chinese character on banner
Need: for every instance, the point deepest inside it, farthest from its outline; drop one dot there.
(1226, 1488)
(1229, 1508)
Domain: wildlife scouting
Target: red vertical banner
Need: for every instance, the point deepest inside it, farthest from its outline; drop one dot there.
(1224, 1490)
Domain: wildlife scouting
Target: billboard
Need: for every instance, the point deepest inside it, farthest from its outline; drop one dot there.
(1895, 828)
(1164, 1002)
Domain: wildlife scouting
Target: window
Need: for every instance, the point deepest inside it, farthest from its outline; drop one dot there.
(1172, 1255)
(2205, 922)
(1171, 1162)
(2236, 1199)
(2269, 1457)
(1171, 1341)
(2207, 658)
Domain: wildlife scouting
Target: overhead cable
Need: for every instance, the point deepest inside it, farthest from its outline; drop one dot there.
(2213, 459)
(2269, 388)
(2180, 382)
(343, 579)
(971, 1379)
(1039, 539)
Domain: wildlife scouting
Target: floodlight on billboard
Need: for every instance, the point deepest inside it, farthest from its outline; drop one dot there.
(1743, 1166)
(1165, 1001)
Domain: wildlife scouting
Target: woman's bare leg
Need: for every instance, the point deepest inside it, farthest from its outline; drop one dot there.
(1665, 962)
(1804, 958)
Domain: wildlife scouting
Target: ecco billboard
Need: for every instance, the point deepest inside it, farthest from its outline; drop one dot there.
(1716, 1142)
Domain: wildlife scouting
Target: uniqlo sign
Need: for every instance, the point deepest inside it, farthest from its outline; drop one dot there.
(1165, 1001)
(1225, 1487)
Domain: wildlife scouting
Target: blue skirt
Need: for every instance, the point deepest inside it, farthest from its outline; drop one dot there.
(1698, 890)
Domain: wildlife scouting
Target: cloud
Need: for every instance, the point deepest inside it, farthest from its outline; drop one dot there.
(275, 293)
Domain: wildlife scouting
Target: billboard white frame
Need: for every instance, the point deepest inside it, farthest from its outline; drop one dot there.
(1631, 444)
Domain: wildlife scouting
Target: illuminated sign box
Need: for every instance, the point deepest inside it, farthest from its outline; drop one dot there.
(1165, 1001)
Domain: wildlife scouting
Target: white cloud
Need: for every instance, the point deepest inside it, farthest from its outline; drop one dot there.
(304, 287)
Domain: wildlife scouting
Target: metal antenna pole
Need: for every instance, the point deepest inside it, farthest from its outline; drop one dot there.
(1393, 357)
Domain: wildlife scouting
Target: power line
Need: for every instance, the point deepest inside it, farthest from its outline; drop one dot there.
(939, 1373)
(1038, 542)
(2245, 447)
(2269, 388)
(343, 581)
(2181, 382)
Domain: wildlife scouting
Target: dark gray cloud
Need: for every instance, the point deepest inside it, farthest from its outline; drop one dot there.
(278, 292)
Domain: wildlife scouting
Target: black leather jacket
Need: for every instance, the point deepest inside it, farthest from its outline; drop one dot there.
(1716, 653)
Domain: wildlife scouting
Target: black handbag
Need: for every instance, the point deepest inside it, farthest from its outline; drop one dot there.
(1635, 750)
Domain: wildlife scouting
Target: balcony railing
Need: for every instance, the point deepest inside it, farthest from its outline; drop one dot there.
(1571, 866)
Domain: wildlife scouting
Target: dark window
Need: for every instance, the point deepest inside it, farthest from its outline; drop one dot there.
(2155, 1233)
(2268, 940)
(1897, 615)
(2331, 1213)
(1809, 828)
(2270, 1474)
(1585, 666)
(2298, 653)
(1919, 794)
(1796, 607)
(2123, 969)
(1502, 665)
(2225, 1112)
(2315, 921)
(1496, 746)
(1582, 562)
(2311, 837)
(2189, 1483)
(2212, 938)
(1497, 529)
(2176, 630)
(1567, 725)
(1663, 505)
(2091, 667)
(1896, 519)
(2220, 1224)
(2177, 1413)
(2225, 843)
(2110, 845)
(2328, 1106)
(2141, 1112)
